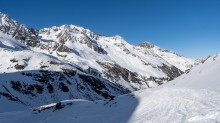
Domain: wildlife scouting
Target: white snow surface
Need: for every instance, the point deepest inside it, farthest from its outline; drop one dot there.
(8, 42)
(191, 98)
(203, 76)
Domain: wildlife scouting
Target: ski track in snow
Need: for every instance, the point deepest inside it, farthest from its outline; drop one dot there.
(148, 106)
(178, 105)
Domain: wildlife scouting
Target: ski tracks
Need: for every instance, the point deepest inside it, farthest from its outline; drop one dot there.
(177, 105)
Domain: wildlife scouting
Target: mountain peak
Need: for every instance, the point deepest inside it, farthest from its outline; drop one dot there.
(117, 37)
(2, 14)
(2, 18)
(146, 45)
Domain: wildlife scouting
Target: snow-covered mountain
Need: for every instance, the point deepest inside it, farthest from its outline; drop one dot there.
(194, 97)
(70, 62)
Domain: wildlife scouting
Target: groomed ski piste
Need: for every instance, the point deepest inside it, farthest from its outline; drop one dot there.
(193, 97)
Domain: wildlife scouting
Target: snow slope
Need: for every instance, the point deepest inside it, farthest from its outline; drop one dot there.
(204, 76)
(8, 42)
(191, 98)
(171, 57)
(165, 105)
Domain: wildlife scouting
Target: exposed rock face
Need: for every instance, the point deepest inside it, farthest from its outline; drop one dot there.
(19, 31)
(114, 72)
(62, 49)
(171, 57)
(32, 41)
(93, 46)
(168, 51)
(204, 59)
(172, 72)
(19, 67)
(64, 34)
(29, 36)
(51, 85)
(146, 45)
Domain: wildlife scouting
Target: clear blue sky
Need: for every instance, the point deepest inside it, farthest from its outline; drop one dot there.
(188, 27)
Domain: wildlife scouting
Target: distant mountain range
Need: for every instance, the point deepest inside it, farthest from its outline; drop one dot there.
(69, 62)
